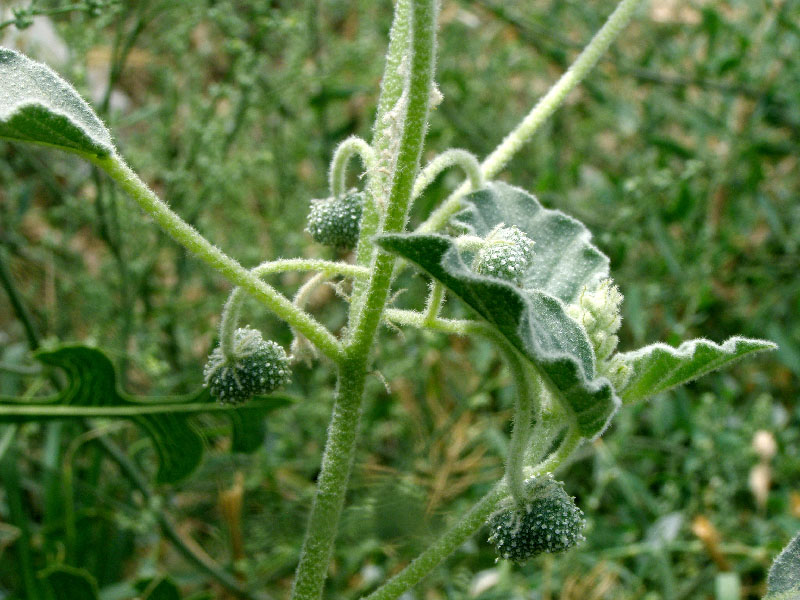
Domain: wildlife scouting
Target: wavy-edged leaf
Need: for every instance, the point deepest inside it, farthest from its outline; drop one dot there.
(783, 581)
(564, 258)
(533, 320)
(38, 106)
(70, 583)
(658, 367)
(91, 391)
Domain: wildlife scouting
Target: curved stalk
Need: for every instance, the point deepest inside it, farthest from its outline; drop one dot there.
(462, 158)
(352, 146)
(187, 236)
(543, 109)
(233, 305)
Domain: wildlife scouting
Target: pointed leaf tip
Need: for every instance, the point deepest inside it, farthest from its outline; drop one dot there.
(38, 106)
(658, 367)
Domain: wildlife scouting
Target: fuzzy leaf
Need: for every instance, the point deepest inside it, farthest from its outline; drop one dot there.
(69, 583)
(91, 391)
(658, 367)
(533, 320)
(783, 581)
(564, 258)
(38, 106)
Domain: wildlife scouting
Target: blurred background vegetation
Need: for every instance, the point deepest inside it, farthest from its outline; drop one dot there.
(680, 153)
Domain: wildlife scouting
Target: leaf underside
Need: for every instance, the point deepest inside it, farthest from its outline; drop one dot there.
(658, 367)
(533, 319)
(783, 581)
(91, 382)
(38, 106)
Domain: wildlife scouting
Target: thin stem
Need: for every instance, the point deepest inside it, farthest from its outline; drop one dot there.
(188, 237)
(352, 146)
(339, 453)
(233, 305)
(443, 547)
(416, 319)
(527, 400)
(68, 411)
(462, 531)
(462, 158)
(543, 109)
(434, 302)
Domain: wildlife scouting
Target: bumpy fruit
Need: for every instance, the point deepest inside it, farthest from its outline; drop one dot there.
(548, 521)
(336, 221)
(506, 254)
(256, 367)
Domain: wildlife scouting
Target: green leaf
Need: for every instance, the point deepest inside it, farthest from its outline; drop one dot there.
(69, 583)
(533, 320)
(162, 588)
(783, 581)
(564, 258)
(91, 391)
(38, 106)
(658, 367)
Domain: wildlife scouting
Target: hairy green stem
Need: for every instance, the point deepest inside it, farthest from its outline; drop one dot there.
(462, 158)
(352, 146)
(434, 302)
(187, 236)
(526, 402)
(443, 547)
(342, 434)
(395, 76)
(543, 109)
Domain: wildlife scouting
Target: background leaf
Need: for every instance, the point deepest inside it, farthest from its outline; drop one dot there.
(533, 320)
(69, 583)
(783, 582)
(38, 106)
(658, 367)
(91, 384)
(162, 588)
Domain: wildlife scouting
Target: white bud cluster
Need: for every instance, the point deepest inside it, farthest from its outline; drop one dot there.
(549, 521)
(506, 253)
(257, 367)
(336, 221)
(598, 312)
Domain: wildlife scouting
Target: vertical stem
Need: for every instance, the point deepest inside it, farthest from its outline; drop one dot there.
(394, 79)
(342, 434)
(528, 390)
(337, 463)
